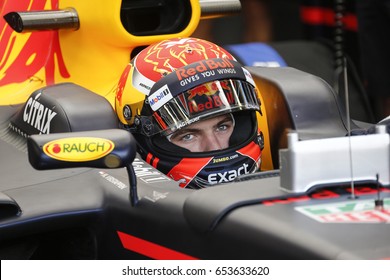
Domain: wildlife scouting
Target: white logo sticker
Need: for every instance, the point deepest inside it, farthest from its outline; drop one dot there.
(248, 77)
(159, 98)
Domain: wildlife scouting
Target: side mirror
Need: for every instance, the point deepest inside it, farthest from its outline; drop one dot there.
(113, 148)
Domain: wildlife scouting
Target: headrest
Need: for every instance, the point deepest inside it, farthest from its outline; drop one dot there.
(64, 107)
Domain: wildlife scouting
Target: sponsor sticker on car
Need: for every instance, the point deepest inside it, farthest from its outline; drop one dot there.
(78, 148)
(352, 211)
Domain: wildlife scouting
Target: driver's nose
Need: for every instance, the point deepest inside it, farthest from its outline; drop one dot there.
(211, 143)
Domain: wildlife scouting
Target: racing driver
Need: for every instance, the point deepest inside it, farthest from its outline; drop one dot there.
(193, 110)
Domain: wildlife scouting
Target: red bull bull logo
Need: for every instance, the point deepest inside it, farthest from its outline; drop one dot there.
(166, 57)
(208, 96)
(207, 89)
(41, 50)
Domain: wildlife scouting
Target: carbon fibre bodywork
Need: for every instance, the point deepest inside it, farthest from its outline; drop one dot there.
(86, 213)
(90, 213)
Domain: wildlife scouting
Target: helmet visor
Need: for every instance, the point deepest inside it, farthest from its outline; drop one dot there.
(201, 102)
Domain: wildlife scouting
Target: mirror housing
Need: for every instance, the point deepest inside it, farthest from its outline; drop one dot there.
(112, 148)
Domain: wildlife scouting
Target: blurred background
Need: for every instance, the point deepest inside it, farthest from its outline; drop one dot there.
(300, 30)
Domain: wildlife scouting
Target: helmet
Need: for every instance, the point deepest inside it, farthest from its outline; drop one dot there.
(178, 83)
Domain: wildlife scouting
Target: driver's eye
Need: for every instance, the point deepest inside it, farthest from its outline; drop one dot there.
(187, 137)
(225, 126)
(182, 137)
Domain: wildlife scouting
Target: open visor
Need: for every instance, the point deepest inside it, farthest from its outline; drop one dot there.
(201, 102)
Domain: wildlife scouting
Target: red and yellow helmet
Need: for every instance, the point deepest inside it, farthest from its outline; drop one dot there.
(178, 82)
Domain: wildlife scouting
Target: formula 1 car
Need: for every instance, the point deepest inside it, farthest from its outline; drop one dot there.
(73, 187)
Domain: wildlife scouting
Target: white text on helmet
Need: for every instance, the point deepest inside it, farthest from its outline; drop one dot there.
(228, 176)
(189, 80)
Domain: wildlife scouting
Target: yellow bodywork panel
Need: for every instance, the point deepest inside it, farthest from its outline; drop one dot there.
(93, 56)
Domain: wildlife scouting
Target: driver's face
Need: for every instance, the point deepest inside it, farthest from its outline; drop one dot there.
(203, 136)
